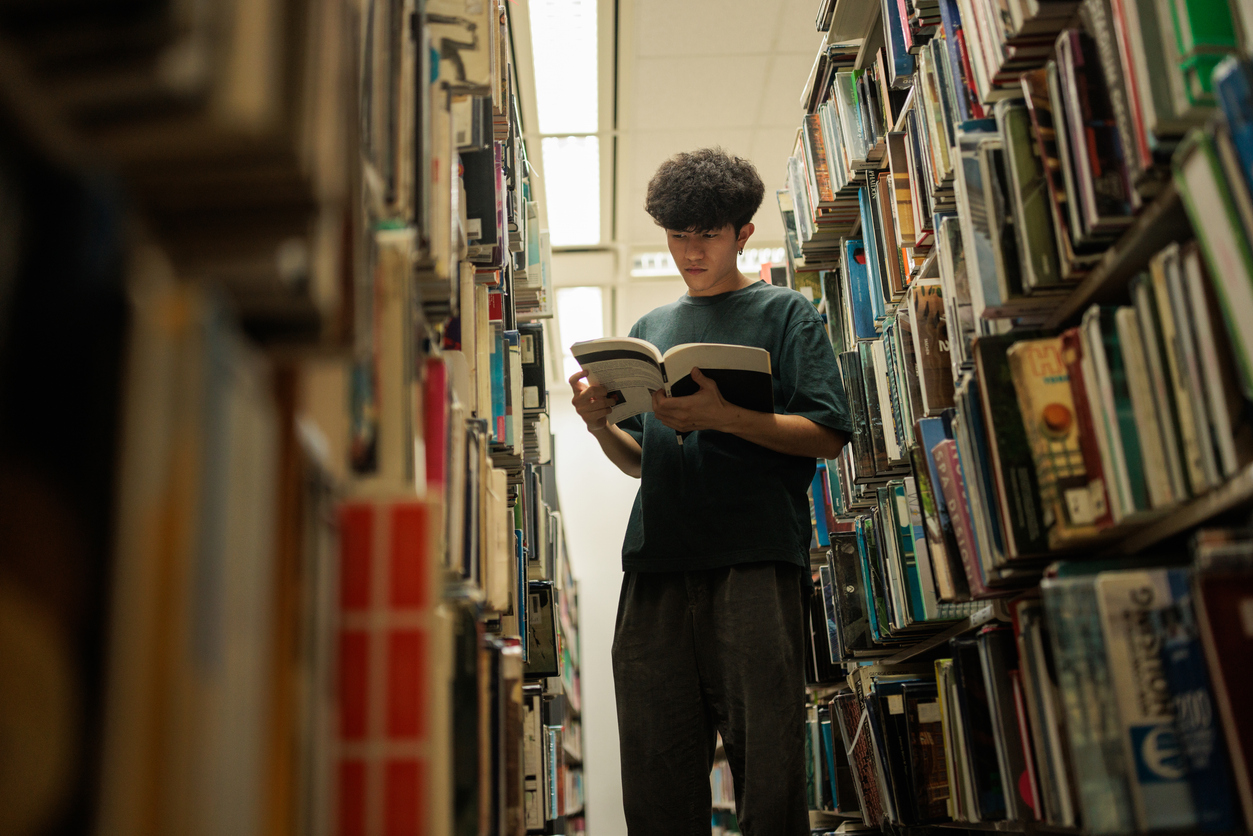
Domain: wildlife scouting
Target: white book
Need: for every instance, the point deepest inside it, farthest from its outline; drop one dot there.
(1160, 790)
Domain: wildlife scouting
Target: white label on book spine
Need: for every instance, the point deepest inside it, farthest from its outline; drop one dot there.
(1246, 616)
(896, 704)
(928, 712)
(528, 348)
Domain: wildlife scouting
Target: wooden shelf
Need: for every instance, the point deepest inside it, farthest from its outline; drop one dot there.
(1162, 221)
(994, 611)
(1009, 827)
(1235, 493)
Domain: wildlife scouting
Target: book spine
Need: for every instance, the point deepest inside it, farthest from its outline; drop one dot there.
(1158, 774)
(953, 488)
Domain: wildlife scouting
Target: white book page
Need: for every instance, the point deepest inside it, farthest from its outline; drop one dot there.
(629, 368)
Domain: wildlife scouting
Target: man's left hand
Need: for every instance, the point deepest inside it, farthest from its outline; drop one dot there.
(704, 410)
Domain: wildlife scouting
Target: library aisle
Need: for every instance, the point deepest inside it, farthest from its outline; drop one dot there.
(301, 536)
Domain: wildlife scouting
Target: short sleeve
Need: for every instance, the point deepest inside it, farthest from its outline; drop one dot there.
(810, 377)
(634, 426)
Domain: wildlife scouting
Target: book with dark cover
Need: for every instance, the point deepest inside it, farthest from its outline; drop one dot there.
(980, 734)
(850, 597)
(861, 444)
(1017, 485)
(848, 714)
(930, 787)
(874, 414)
(534, 378)
(1103, 189)
(541, 631)
(1074, 261)
(1000, 657)
(1223, 587)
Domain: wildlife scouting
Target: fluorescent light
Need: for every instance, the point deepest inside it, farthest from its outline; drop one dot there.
(563, 45)
(580, 316)
(572, 183)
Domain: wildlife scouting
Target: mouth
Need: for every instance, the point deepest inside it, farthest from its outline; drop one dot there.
(694, 270)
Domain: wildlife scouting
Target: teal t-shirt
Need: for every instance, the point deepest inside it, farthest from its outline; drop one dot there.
(718, 500)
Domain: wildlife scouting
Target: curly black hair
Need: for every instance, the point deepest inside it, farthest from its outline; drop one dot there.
(704, 190)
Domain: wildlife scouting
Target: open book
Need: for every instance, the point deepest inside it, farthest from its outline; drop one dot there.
(632, 369)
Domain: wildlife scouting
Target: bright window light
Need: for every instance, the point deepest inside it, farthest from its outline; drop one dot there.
(657, 264)
(563, 42)
(572, 181)
(580, 316)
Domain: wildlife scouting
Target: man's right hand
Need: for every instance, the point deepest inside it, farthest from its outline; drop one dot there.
(591, 402)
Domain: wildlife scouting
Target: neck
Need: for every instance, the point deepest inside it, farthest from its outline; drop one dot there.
(734, 281)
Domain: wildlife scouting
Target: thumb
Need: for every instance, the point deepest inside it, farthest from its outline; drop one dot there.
(702, 380)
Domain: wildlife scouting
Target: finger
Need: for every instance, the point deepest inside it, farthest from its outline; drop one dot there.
(577, 376)
(659, 397)
(703, 381)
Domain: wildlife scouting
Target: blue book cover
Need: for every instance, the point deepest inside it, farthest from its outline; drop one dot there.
(872, 253)
(856, 258)
(901, 61)
(979, 468)
(1197, 728)
(1233, 85)
(520, 557)
(951, 18)
(819, 505)
(828, 751)
(909, 554)
(498, 360)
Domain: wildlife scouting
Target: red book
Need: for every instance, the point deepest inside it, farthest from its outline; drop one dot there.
(1072, 356)
(435, 423)
(388, 593)
(953, 488)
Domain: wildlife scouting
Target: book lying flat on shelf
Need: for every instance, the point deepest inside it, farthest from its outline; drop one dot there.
(633, 369)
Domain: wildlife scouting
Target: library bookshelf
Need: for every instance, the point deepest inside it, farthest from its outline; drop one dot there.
(1032, 229)
(283, 550)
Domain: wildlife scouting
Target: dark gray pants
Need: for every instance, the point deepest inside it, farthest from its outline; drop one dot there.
(712, 650)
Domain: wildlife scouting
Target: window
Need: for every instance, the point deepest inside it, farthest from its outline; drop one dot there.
(580, 316)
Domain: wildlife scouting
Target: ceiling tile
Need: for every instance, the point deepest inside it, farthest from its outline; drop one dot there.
(704, 27)
(781, 94)
(714, 91)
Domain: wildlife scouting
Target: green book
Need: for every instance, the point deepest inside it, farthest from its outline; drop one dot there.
(1205, 186)
(1123, 410)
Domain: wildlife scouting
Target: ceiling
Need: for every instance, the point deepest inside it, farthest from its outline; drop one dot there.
(696, 73)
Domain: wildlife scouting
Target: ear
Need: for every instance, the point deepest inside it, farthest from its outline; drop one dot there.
(745, 232)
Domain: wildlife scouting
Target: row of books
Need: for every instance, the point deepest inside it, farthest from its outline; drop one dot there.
(269, 611)
(997, 430)
(1108, 701)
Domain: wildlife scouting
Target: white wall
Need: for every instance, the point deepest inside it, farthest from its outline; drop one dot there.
(596, 500)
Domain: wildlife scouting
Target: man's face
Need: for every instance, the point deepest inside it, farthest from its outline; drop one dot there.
(707, 260)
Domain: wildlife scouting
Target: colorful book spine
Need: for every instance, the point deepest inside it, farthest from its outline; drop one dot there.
(1158, 773)
(953, 489)
(389, 643)
(1091, 714)
(1197, 726)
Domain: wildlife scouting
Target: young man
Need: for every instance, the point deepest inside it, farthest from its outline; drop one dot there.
(711, 618)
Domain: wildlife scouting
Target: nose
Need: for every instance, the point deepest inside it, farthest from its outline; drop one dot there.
(694, 249)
